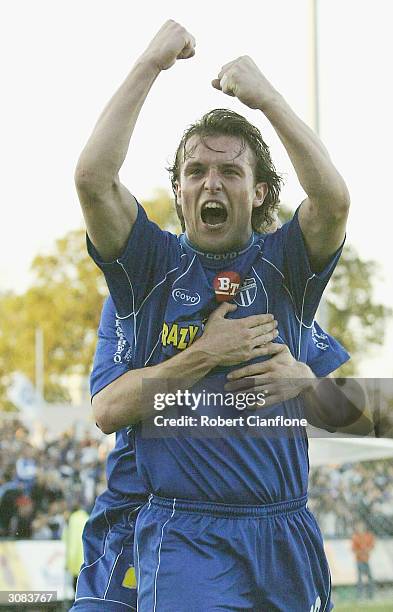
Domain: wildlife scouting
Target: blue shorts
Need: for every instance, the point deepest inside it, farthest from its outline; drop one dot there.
(192, 556)
(107, 577)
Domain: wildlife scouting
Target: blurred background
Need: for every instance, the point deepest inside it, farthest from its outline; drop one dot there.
(331, 61)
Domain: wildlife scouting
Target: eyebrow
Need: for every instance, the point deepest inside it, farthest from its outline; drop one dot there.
(197, 164)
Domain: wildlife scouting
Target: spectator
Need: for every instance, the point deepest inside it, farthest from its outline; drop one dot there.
(40, 528)
(68, 467)
(21, 523)
(363, 543)
(10, 490)
(26, 467)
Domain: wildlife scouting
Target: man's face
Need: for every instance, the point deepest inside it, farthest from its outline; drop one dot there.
(217, 192)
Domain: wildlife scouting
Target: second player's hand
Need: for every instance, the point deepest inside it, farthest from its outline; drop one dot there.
(243, 79)
(235, 341)
(172, 42)
(279, 379)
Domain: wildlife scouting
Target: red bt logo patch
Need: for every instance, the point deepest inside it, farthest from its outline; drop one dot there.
(226, 285)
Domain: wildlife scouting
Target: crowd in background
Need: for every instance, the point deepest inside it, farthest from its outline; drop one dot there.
(41, 484)
(339, 496)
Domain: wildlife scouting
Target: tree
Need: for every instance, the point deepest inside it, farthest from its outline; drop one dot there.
(68, 290)
(161, 210)
(353, 316)
(65, 301)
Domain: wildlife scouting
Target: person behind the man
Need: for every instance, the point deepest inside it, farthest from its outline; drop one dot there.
(208, 493)
(115, 387)
(107, 578)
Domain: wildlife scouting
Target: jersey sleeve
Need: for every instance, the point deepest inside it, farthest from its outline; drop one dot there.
(150, 254)
(324, 353)
(113, 356)
(287, 250)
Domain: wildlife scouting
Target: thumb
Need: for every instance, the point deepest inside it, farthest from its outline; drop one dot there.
(216, 83)
(224, 309)
(186, 52)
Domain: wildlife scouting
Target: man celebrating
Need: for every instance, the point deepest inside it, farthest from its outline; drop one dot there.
(107, 578)
(226, 522)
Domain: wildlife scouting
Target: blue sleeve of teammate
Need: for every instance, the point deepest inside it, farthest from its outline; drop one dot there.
(324, 353)
(286, 249)
(113, 356)
(150, 254)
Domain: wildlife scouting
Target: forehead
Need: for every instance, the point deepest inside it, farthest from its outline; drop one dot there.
(218, 149)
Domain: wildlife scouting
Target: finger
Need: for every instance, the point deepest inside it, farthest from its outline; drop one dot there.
(270, 400)
(225, 68)
(188, 49)
(224, 309)
(265, 391)
(255, 397)
(254, 369)
(260, 390)
(227, 86)
(186, 53)
(249, 370)
(272, 349)
(265, 328)
(241, 384)
(261, 319)
(277, 347)
(264, 339)
(265, 350)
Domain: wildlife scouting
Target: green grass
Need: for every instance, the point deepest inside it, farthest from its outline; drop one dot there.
(364, 607)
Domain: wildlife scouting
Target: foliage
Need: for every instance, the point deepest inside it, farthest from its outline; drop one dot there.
(161, 210)
(64, 301)
(352, 315)
(68, 290)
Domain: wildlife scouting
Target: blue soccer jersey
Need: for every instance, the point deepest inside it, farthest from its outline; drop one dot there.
(109, 534)
(107, 577)
(113, 358)
(164, 289)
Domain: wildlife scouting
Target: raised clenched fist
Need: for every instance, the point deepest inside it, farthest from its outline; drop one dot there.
(172, 42)
(243, 79)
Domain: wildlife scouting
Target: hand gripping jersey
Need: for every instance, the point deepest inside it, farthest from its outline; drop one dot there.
(226, 509)
(164, 289)
(110, 529)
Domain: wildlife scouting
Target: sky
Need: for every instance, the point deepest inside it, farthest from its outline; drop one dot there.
(63, 59)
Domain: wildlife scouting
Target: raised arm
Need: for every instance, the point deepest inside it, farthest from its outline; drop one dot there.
(323, 214)
(108, 207)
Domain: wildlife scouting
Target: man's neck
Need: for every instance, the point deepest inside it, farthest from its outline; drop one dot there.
(226, 256)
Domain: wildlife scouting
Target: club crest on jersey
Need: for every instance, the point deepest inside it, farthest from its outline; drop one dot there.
(186, 297)
(247, 293)
(226, 285)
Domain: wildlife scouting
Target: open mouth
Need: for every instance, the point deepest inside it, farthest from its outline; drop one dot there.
(213, 213)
